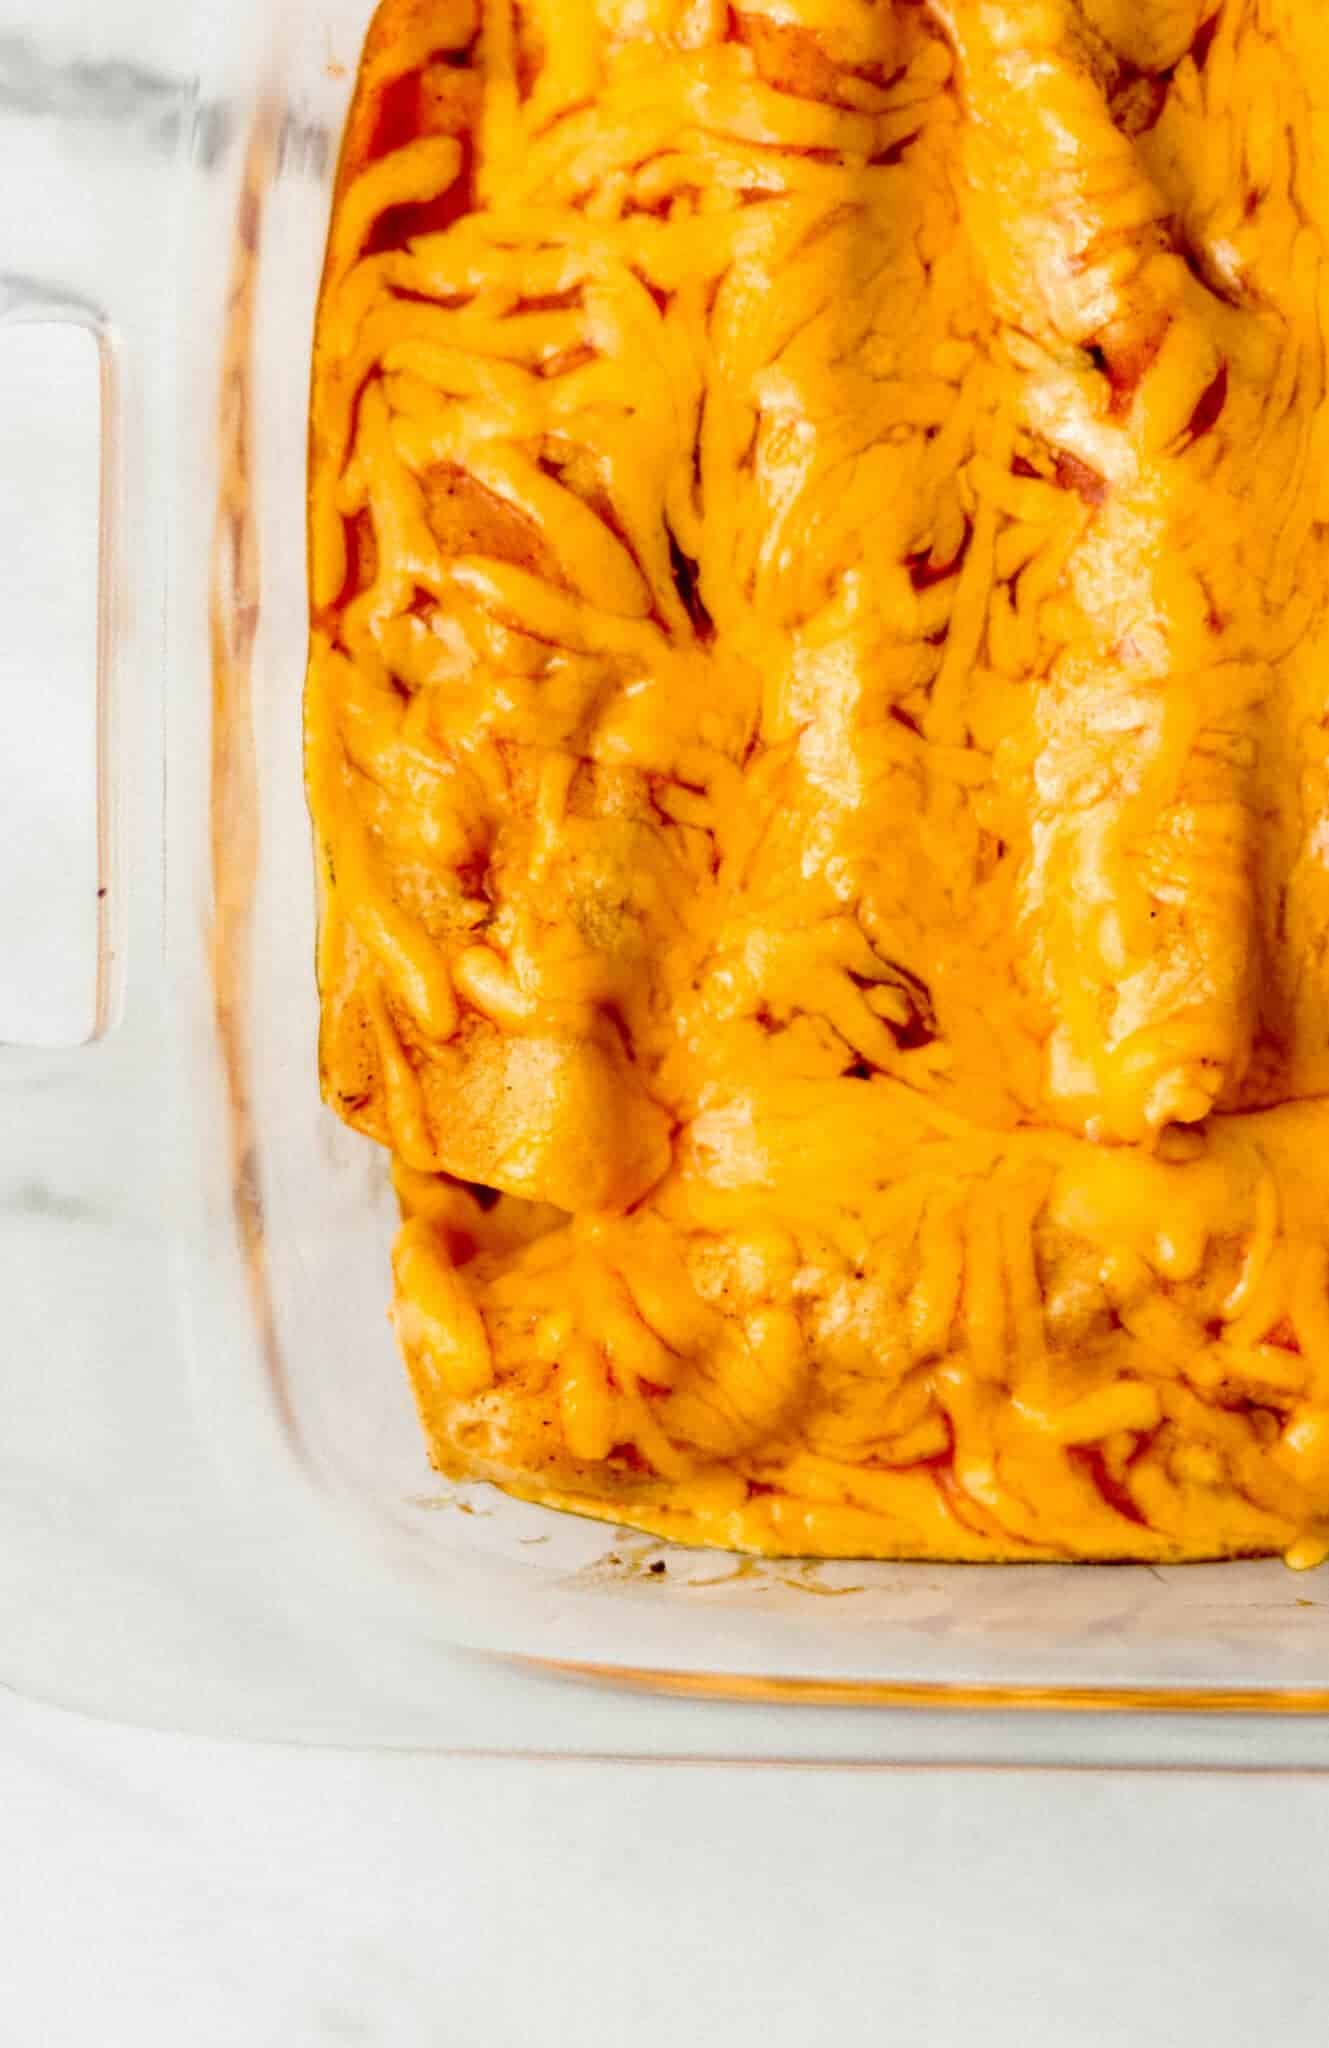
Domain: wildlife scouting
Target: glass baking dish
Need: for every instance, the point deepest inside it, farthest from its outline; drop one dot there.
(185, 197)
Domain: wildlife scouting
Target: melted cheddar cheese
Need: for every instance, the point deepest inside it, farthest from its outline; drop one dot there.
(819, 742)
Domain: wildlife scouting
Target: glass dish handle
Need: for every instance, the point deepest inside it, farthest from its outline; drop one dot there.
(95, 155)
(95, 158)
(57, 485)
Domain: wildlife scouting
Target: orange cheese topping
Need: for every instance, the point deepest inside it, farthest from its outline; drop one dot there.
(818, 740)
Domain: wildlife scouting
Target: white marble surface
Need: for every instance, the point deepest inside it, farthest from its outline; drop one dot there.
(159, 1889)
